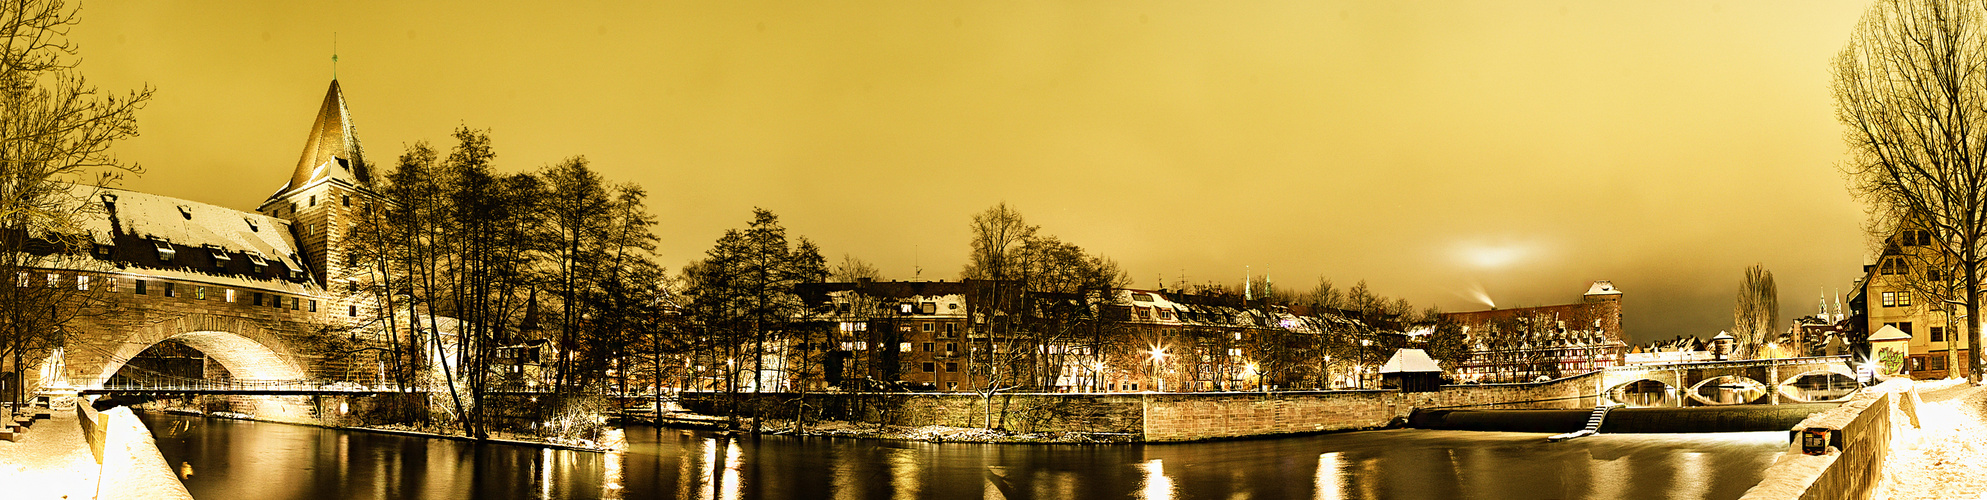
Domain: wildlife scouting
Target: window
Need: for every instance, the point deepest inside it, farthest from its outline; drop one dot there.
(1144, 312)
(220, 255)
(352, 311)
(928, 308)
(1890, 299)
(252, 226)
(929, 368)
(905, 308)
(1936, 362)
(346, 199)
(54, 280)
(927, 327)
(82, 282)
(258, 298)
(23, 281)
(140, 286)
(1917, 364)
(951, 386)
(295, 303)
(903, 347)
(1166, 313)
(928, 347)
(313, 306)
(1141, 297)
(952, 367)
(1938, 333)
(109, 284)
(230, 295)
(166, 252)
(256, 263)
(313, 200)
(169, 290)
(200, 293)
(951, 347)
(1903, 299)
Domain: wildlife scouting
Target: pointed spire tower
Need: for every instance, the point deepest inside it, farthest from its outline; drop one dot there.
(330, 188)
(332, 148)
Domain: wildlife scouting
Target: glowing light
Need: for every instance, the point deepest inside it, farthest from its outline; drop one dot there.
(1157, 485)
(1331, 477)
(1494, 256)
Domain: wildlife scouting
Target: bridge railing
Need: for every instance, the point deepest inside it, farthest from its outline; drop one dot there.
(242, 385)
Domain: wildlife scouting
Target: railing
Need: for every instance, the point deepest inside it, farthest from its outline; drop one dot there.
(273, 387)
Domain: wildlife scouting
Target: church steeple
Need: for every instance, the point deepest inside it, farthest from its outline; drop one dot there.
(332, 149)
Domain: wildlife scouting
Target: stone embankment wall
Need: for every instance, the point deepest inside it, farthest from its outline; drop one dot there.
(1854, 468)
(1158, 416)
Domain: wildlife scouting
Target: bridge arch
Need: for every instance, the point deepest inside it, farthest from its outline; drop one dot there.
(245, 348)
(1728, 390)
(1645, 392)
(1824, 384)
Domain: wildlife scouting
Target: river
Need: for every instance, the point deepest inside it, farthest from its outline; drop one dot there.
(228, 459)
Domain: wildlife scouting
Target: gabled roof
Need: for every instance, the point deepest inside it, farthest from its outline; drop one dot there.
(1410, 361)
(1889, 333)
(332, 150)
(1603, 287)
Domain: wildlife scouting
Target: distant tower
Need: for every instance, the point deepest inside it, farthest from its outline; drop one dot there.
(1605, 295)
(330, 187)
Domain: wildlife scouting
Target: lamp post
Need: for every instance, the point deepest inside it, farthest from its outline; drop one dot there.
(1158, 353)
(1328, 372)
(1364, 345)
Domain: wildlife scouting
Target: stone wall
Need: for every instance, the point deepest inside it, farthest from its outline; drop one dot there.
(1160, 416)
(1854, 469)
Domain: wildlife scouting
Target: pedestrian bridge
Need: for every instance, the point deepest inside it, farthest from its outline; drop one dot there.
(1716, 383)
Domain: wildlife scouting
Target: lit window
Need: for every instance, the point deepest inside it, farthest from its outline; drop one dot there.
(905, 308)
(82, 282)
(1890, 299)
(230, 295)
(903, 347)
(200, 293)
(54, 280)
(1903, 299)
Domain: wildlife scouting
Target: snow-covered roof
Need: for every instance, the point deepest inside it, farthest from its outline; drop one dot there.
(332, 149)
(1603, 287)
(1889, 333)
(110, 213)
(1410, 361)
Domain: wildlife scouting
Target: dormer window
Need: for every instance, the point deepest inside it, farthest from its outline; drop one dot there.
(256, 262)
(103, 250)
(166, 253)
(220, 255)
(186, 211)
(905, 308)
(252, 226)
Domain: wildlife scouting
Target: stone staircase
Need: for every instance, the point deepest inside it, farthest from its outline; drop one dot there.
(1593, 424)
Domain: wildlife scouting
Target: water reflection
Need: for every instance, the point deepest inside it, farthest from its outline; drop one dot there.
(275, 461)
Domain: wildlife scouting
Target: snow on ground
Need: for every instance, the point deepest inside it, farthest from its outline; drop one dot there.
(53, 461)
(1947, 456)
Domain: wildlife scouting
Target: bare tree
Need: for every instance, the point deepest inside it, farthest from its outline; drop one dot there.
(852, 269)
(1909, 86)
(1755, 313)
(56, 131)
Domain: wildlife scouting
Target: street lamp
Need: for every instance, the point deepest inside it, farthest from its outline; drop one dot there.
(1328, 372)
(1364, 345)
(1158, 354)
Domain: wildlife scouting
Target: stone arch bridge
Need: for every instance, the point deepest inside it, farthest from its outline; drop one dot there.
(1712, 383)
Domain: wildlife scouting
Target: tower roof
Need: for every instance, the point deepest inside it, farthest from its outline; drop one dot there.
(1603, 287)
(332, 149)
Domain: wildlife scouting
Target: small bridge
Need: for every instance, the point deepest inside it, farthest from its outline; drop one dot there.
(243, 388)
(1718, 383)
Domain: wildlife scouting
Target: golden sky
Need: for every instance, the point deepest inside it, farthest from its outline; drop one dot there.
(1522, 148)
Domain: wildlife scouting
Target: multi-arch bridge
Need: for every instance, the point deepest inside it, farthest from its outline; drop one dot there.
(1713, 383)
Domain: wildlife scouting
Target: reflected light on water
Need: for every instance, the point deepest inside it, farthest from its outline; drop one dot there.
(904, 473)
(545, 473)
(733, 457)
(1157, 485)
(610, 481)
(1691, 476)
(1331, 477)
